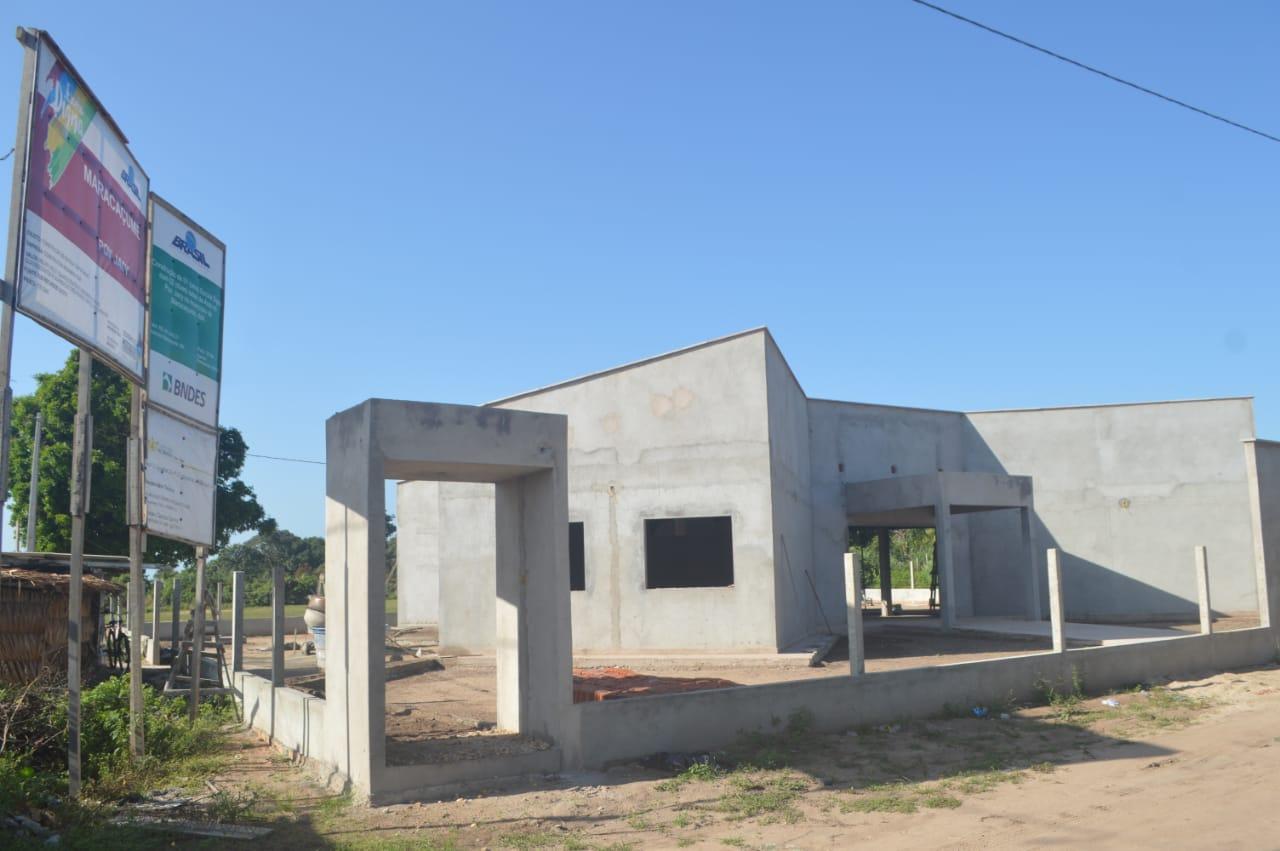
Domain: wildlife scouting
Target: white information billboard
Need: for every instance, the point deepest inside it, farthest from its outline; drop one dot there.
(84, 233)
(185, 338)
(179, 479)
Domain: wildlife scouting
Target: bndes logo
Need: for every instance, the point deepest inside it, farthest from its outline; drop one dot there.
(128, 179)
(188, 246)
(181, 389)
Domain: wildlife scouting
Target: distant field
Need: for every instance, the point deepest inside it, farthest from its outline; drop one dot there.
(252, 612)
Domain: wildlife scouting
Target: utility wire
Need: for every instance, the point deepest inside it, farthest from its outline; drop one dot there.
(1097, 71)
(6, 156)
(279, 458)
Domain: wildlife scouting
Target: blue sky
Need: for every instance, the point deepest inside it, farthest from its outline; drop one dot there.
(454, 202)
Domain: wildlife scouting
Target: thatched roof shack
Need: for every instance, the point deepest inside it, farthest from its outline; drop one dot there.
(33, 621)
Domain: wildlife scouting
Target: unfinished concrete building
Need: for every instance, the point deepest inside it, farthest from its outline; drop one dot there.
(1111, 468)
(710, 502)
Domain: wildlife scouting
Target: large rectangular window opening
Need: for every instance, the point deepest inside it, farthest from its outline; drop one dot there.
(688, 552)
(577, 557)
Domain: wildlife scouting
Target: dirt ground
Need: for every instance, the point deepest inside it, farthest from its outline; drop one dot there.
(1178, 765)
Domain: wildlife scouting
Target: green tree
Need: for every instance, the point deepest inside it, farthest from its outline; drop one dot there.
(238, 509)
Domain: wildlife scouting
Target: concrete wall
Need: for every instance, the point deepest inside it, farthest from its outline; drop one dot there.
(705, 720)
(417, 555)
(467, 563)
(288, 718)
(684, 435)
(681, 435)
(853, 443)
(1126, 492)
(799, 612)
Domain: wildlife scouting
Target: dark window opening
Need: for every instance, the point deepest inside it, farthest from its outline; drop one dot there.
(577, 557)
(688, 552)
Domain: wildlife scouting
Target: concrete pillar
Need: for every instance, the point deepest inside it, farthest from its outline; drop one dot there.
(277, 624)
(1262, 466)
(1202, 589)
(1025, 519)
(886, 574)
(533, 638)
(1057, 611)
(946, 566)
(853, 613)
(237, 621)
(153, 648)
(355, 564)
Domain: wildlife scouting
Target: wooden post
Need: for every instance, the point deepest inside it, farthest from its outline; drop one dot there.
(853, 613)
(886, 575)
(1202, 586)
(153, 657)
(176, 617)
(81, 455)
(217, 607)
(137, 602)
(237, 621)
(277, 625)
(197, 634)
(1057, 611)
(33, 494)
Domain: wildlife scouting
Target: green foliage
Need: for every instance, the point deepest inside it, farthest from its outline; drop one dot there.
(33, 756)
(105, 531)
(906, 546)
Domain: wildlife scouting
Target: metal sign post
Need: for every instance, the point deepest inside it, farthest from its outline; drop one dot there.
(133, 488)
(80, 470)
(197, 634)
(26, 92)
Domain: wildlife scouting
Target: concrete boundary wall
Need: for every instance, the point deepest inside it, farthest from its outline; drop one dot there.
(289, 718)
(601, 732)
(710, 719)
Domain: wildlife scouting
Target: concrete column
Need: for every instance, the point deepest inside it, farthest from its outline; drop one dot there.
(1202, 588)
(532, 515)
(153, 648)
(354, 570)
(946, 562)
(886, 574)
(1029, 550)
(1262, 466)
(853, 613)
(237, 621)
(277, 625)
(1057, 612)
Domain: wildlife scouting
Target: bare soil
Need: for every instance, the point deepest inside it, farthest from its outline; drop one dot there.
(1178, 765)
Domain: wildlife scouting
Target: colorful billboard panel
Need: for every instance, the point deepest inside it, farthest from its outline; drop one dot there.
(84, 232)
(185, 364)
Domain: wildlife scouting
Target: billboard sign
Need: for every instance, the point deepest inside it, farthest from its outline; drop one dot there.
(84, 241)
(184, 364)
(179, 480)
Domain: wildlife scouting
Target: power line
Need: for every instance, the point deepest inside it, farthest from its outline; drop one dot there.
(1097, 71)
(280, 458)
